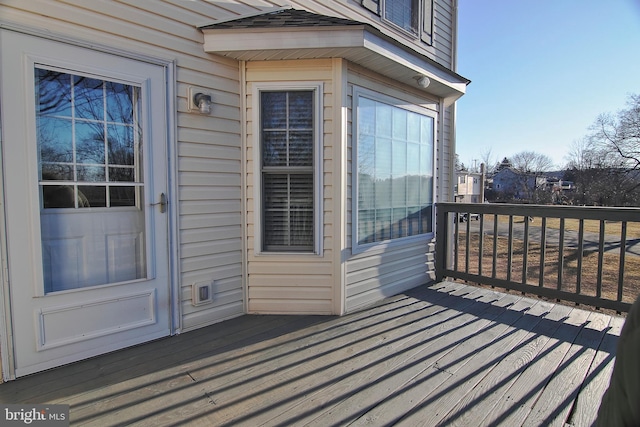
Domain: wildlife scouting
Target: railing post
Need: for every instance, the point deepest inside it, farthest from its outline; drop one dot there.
(441, 242)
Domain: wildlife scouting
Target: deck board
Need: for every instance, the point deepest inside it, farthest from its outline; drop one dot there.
(445, 354)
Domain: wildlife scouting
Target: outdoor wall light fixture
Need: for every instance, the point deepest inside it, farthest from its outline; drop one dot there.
(423, 81)
(203, 102)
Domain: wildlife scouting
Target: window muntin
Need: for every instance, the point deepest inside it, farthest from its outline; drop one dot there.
(287, 133)
(89, 141)
(395, 182)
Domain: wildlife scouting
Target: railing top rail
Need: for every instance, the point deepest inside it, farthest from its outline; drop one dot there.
(553, 211)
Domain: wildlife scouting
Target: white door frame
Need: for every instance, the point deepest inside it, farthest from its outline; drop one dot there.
(7, 358)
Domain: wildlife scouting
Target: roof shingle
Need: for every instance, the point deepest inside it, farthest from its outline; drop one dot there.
(283, 18)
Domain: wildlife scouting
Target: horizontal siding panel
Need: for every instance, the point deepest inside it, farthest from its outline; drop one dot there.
(210, 123)
(307, 280)
(196, 164)
(210, 261)
(194, 207)
(289, 266)
(367, 298)
(209, 193)
(225, 272)
(210, 150)
(290, 293)
(262, 306)
(205, 179)
(210, 248)
(210, 234)
(193, 138)
(210, 220)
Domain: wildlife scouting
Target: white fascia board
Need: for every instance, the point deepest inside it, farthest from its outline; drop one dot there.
(414, 62)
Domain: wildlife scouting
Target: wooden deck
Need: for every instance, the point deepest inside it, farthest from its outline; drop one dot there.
(447, 354)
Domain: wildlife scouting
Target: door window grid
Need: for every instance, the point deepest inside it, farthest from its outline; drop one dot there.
(88, 137)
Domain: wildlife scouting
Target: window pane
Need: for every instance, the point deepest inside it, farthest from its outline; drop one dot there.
(288, 210)
(58, 196)
(92, 197)
(121, 144)
(122, 196)
(301, 110)
(88, 98)
(89, 143)
(119, 102)
(399, 124)
(121, 174)
(383, 158)
(53, 93)
(273, 109)
(56, 172)
(91, 173)
(55, 139)
(274, 148)
(301, 148)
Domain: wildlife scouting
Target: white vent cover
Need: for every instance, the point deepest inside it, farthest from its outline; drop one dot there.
(201, 293)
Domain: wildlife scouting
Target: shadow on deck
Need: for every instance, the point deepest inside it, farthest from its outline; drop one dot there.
(445, 354)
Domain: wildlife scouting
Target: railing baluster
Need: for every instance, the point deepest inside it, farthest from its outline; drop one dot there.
(468, 244)
(510, 248)
(543, 250)
(481, 245)
(561, 255)
(456, 235)
(580, 252)
(600, 259)
(495, 246)
(525, 253)
(623, 251)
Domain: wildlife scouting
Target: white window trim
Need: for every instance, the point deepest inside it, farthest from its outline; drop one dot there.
(357, 248)
(425, 28)
(318, 207)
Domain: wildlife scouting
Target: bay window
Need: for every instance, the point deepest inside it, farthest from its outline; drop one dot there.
(394, 158)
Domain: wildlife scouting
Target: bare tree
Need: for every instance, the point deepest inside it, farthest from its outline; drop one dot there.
(531, 162)
(619, 136)
(490, 161)
(605, 165)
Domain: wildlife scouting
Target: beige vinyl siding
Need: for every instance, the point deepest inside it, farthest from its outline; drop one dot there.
(387, 269)
(208, 148)
(443, 31)
(282, 282)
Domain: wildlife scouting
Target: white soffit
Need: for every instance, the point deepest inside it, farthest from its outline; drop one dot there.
(356, 43)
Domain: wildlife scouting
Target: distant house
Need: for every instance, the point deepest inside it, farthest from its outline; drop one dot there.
(469, 187)
(516, 184)
(172, 164)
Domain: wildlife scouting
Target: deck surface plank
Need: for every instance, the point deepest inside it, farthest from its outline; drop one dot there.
(444, 354)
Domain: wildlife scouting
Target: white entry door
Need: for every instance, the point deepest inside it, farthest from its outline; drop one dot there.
(85, 180)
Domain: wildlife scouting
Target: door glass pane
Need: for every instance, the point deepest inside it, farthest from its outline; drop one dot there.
(90, 178)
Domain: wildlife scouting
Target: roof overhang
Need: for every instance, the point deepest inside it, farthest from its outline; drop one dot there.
(359, 43)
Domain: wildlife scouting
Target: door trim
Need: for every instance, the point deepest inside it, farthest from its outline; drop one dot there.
(7, 354)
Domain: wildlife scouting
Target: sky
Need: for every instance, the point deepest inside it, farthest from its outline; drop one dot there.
(541, 72)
